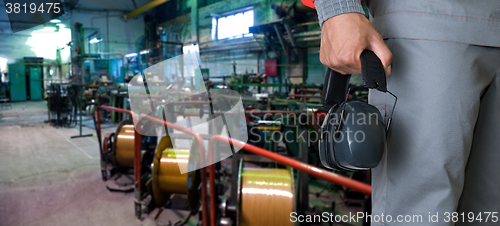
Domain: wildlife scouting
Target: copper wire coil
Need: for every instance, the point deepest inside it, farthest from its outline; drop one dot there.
(124, 145)
(266, 197)
(167, 177)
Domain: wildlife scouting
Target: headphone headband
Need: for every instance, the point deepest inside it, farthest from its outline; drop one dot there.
(337, 85)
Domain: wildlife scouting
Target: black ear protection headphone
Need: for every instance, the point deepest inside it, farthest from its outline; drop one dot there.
(353, 135)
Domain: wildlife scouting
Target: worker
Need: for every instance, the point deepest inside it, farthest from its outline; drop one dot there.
(442, 59)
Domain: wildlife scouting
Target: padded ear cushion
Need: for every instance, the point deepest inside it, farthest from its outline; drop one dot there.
(332, 147)
(324, 138)
(327, 142)
(323, 153)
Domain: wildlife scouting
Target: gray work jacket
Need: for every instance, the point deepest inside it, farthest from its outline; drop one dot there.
(466, 21)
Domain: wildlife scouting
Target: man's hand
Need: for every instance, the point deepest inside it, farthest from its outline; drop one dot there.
(344, 37)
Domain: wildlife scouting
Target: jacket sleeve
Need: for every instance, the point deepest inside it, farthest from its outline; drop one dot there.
(309, 3)
(329, 8)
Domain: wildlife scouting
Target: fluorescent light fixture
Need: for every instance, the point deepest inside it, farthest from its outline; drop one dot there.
(144, 52)
(94, 40)
(191, 48)
(55, 21)
(131, 55)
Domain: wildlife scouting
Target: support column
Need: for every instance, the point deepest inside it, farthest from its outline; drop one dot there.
(194, 21)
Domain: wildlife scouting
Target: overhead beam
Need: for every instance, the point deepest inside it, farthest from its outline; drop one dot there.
(144, 8)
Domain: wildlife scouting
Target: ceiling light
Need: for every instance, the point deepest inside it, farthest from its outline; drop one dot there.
(94, 40)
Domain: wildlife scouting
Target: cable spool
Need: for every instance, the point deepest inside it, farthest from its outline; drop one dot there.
(167, 177)
(124, 145)
(266, 196)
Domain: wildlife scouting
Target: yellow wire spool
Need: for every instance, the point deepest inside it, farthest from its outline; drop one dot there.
(167, 177)
(266, 197)
(269, 128)
(124, 145)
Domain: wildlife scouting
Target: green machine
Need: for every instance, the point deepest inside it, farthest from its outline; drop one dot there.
(22, 86)
(17, 78)
(36, 86)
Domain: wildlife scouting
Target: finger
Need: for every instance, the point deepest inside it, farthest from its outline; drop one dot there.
(351, 53)
(378, 46)
(331, 61)
(340, 67)
(349, 61)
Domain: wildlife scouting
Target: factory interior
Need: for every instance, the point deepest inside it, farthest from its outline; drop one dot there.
(169, 112)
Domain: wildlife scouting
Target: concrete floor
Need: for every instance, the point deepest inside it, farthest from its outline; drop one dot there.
(47, 178)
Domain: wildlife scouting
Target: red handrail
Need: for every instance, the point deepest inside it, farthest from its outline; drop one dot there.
(315, 171)
(310, 91)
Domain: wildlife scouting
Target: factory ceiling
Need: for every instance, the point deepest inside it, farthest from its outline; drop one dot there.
(122, 5)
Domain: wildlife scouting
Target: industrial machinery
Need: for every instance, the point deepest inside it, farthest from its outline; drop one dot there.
(62, 104)
(245, 189)
(167, 185)
(26, 81)
(117, 156)
(17, 78)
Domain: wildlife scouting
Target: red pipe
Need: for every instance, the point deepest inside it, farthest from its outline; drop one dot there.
(317, 115)
(315, 171)
(98, 128)
(105, 143)
(310, 91)
(137, 157)
(118, 109)
(203, 170)
(212, 190)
